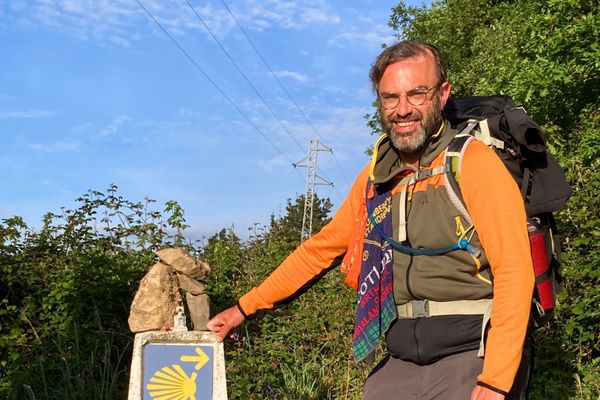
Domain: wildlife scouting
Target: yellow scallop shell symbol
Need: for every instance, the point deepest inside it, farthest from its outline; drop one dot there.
(172, 384)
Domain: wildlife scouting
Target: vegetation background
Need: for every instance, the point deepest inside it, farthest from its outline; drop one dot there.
(65, 289)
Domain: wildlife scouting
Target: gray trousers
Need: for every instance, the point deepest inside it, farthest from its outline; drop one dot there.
(451, 378)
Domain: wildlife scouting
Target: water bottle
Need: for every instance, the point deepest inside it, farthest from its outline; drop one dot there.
(540, 255)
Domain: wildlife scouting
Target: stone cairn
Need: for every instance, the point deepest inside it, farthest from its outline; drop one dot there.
(158, 303)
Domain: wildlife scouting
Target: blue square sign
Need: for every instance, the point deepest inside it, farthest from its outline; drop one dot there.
(175, 371)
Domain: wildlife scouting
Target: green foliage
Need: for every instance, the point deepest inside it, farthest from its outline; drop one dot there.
(65, 295)
(306, 379)
(546, 55)
(293, 352)
(287, 229)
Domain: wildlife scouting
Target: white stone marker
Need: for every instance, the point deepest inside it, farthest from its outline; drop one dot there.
(186, 365)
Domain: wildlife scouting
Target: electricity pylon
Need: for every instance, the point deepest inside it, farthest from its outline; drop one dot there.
(312, 179)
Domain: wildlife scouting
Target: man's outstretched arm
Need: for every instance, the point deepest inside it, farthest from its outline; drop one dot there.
(299, 270)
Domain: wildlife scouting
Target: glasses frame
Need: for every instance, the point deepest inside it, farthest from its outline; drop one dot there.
(390, 96)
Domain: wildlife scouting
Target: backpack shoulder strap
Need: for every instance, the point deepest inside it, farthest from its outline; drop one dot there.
(454, 156)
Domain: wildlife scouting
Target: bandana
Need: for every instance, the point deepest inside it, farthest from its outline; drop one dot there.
(376, 308)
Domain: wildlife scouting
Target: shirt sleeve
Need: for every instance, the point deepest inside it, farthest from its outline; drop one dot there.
(310, 260)
(495, 204)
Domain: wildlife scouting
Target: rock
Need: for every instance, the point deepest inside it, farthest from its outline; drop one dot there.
(199, 309)
(183, 262)
(153, 306)
(190, 285)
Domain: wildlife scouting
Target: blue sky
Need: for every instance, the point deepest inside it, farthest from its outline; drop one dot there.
(92, 92)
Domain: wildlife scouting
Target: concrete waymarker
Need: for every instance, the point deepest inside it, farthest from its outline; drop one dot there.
(179, 365)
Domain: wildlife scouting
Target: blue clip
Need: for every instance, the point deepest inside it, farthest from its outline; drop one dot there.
(464, 244)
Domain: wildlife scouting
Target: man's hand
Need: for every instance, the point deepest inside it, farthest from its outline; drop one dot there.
(225, 321)
(482, 393)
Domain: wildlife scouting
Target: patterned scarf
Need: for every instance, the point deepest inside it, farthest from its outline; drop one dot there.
(376, 307)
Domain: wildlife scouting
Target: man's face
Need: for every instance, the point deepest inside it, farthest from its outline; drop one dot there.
(407, 125)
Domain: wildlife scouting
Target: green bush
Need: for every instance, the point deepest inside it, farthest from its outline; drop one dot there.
(66, 291)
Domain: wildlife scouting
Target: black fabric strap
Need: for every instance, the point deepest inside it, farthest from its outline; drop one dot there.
(526, 184)
(242, 310)
(485, 385)
(543, 277)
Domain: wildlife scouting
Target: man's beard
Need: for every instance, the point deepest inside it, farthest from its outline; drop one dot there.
(414, 142)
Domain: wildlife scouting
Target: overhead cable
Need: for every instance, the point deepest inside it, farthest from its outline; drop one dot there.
(235, 64)
(244, 75)
(216, 86)
(281, 85)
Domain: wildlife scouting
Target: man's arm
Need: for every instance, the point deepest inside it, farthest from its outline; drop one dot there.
(496, 206)
(306, 264)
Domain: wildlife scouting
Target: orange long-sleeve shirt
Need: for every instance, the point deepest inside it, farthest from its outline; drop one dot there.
(496, 208)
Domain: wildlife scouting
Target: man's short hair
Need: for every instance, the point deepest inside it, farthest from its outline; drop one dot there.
(401, 51)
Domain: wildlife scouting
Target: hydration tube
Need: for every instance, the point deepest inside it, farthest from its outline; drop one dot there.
(462, 244)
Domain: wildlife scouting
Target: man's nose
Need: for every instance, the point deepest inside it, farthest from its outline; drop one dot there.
(403, 108)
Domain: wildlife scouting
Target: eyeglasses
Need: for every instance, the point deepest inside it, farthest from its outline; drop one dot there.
(416, 97)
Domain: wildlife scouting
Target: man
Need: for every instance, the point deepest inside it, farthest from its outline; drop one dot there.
(435, 311)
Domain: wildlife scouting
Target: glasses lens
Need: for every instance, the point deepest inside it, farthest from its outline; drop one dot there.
(416, 99)
(388, 102)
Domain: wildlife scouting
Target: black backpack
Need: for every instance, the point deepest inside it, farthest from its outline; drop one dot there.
(521, 145)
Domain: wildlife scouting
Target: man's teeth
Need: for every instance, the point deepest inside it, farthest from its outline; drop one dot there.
(406, 123)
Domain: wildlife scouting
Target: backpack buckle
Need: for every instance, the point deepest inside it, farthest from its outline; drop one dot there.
(420, 308)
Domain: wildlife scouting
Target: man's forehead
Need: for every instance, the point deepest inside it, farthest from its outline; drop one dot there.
(425, 60)
(414, 72)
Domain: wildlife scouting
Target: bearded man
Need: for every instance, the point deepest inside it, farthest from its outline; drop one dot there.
(454, 324)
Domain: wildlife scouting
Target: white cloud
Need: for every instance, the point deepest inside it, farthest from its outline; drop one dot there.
(186, 112)
(217, 19)
(297, 76)
(343, 123)
(335, 126)
(114, 125)
(273, 164)
(121, 41)
(288, 14)
(57, 147)
(340, 123)
(83, 127)
(376, 35)
(118, 21)
(101, 20)
(316, 16)
(27, 114)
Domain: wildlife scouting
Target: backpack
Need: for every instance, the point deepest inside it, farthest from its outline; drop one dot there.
(521, 145)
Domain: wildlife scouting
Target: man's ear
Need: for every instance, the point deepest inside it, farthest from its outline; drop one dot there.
(445, 89)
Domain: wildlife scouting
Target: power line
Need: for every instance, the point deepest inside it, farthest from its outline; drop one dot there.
(281, 84)
(232, 60)
(215, 85)
(244, 75)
